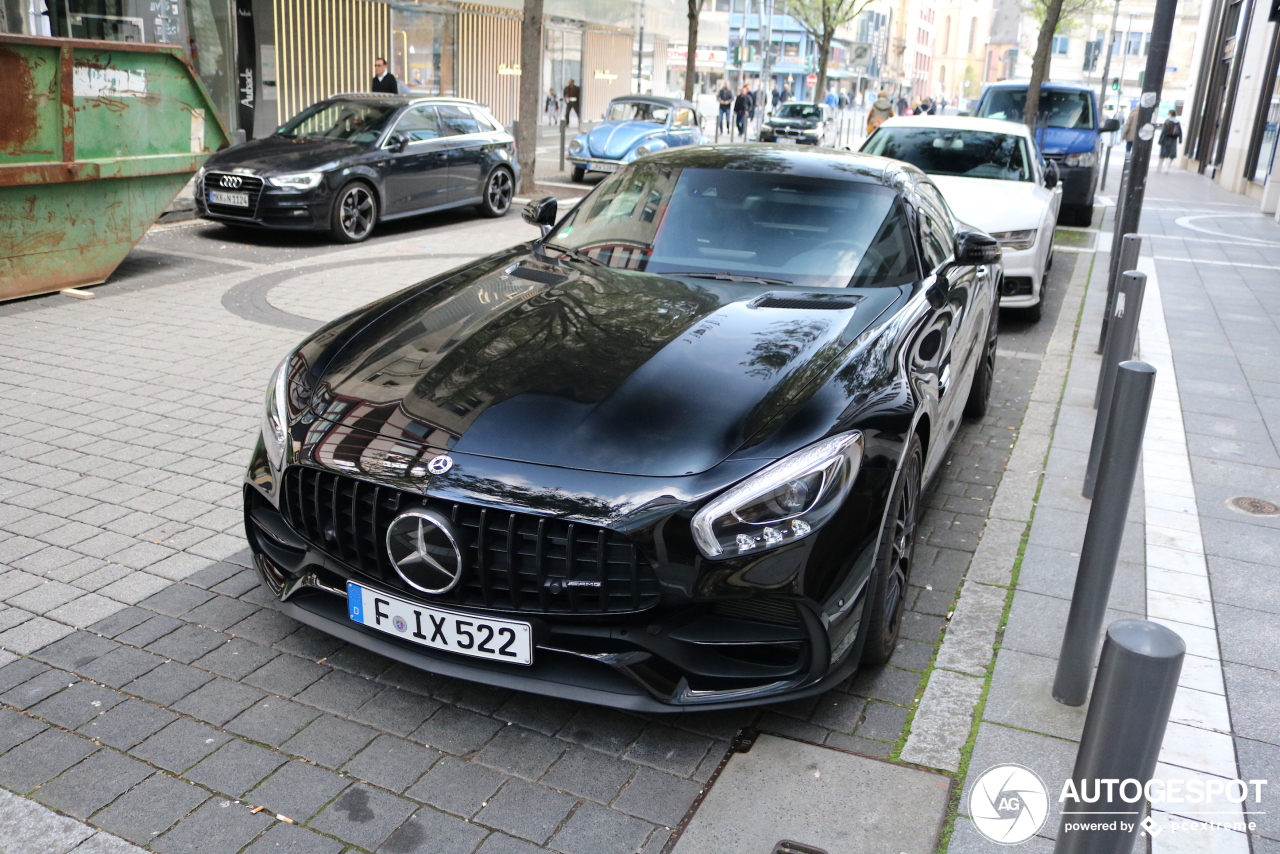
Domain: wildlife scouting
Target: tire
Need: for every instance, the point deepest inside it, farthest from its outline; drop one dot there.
(1048, 264)
(984, 377)
(354, 213)
(1035, 312)
(1075, 215)
(498, 192)
(579, 173)
(894, 559)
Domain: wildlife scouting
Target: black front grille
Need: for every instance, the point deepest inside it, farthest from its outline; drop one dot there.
(226, 182)
(511, 561)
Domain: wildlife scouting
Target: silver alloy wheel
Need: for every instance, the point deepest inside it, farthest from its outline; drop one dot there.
(499, 192)
(356, 211)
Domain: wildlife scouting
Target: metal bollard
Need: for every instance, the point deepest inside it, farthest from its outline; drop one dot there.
(1132, 695)
(1106, 164)
(1104, 531)
(562, 129)
(1130, 246)
(1119, 349)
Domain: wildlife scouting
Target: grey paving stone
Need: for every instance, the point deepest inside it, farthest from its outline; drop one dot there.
(121, 666)
(235, 768)
(521, 752)
(1249, 636)
(658, 797)
(236, 659)
(330, 741)
(1051, 758)
(669, 749)
(309, 643)
(272, 721)
(458, 787)
(339, 693)
(1260, 761)
(395, 710)
(291, 839)
(1251, 695)
(30, 828)
(589, 774)
(364, 816)
(128, 724)
(18, 671)
(546, 715)
(432, 832)
(485, 699)
(220, 612)
(87, 787)
(965, 839)
(593, 829)
(859, 745)
(176, 600)
(360, 662)
(16, 728)
(500, 843)
(603, 729)
(882, 721)
(286, 675)
(218, 827)
(266, 627)
(149, 630)
(38, 760)
(838, 711)
(32, 691)
(297, 790)
(168, 683)
(456, 731)
(392, 763)
(218, 701)
(790, 727)
(76, 651)
(187, 643)
(180, 745)
(76, 705)
(526, 810)
(150, 809)
(212, 575)
(1021, 696)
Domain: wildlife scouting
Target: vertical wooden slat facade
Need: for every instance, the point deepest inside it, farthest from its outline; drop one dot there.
(486, 41)
(324, 47)
(604, 54)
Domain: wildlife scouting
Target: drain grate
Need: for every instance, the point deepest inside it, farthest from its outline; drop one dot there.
(1253, 506)
(786, 846)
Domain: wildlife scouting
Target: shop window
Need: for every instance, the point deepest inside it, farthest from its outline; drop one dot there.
(423, 51)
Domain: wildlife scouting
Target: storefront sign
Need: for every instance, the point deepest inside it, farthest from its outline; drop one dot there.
(246, 55)
(679, 55)
(605, 75)
(509, 70)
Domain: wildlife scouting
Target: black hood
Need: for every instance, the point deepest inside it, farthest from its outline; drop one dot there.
(278, 155)
(584, 367)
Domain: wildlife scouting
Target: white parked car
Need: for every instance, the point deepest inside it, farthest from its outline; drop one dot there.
(993, 177)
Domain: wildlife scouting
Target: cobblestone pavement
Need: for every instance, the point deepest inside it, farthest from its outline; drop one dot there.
(146, 686)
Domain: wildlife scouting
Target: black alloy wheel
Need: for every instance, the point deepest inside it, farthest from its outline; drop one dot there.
(498, 192)
(984, 376)
(894, 561)
(355, 212)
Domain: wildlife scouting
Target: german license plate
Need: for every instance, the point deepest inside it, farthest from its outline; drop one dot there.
(603, 167)
(787, 139)
(239, 200)
(466, 634)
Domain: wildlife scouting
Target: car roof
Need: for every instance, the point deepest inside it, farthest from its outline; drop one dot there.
(959, 123)
(399, 100)
(655, 99)
(789, 159)
(1049, 84)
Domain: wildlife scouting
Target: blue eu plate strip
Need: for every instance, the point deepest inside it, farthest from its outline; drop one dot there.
(355, 602)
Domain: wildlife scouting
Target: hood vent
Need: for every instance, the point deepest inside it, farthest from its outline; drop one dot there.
(807, 303)
(542, 277)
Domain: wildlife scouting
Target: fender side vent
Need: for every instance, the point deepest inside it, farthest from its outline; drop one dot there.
(812, 303)
(542, 277)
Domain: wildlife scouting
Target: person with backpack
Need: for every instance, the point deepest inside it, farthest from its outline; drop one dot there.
(1170, 136)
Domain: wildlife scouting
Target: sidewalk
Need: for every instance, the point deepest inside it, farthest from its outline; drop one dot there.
(1190, 559)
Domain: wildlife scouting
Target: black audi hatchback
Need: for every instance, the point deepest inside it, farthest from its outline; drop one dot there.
(351, 161)
(668, 456)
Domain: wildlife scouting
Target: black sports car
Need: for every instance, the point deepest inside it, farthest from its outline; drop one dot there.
(800, 123)
(669, 455)
(347, 163)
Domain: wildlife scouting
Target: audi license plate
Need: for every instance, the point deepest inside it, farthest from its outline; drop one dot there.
(239, 200)
(603, 167)
(467, 634)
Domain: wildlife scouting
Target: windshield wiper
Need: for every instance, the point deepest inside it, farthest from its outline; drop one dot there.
(575, 253)
(726, 277)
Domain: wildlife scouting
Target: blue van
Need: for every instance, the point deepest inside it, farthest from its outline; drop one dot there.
(1067, 131)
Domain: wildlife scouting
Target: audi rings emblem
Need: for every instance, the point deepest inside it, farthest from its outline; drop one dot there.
(424, 550)
(231, 181)
(440, 464)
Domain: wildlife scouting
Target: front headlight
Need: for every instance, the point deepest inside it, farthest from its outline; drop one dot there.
(575, 146)
(783, 503)
(812, 131)
(275, 420)
(297, 181)
(1088, 158)
(642, 150)
(1016, 239)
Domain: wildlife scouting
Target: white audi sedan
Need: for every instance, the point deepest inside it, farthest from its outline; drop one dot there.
(992, 176)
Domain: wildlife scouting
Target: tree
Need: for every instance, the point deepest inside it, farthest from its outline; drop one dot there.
(530, 93)
(1053, 15)
(691, 61)
(821, 19)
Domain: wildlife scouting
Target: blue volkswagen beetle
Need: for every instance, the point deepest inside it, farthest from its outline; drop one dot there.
(633, 126)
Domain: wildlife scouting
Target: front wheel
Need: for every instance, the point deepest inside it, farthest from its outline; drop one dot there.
(579, 174)
(894, 559)
(354, 214)
(984, 376)
(498, 192)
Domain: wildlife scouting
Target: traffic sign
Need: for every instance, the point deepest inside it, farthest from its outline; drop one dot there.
(811, 79)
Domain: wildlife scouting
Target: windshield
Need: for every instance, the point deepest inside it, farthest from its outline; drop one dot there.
(1059, 108)
(348, 120)
(799, 111)
(942, 151)
(808, 232)
(631, 111)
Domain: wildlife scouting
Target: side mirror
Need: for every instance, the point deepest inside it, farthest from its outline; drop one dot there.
(397, 142)
(542, 213)
(1110, 125)
(973, 248)
(1051, 176)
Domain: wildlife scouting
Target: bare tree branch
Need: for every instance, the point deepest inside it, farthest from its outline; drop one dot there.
(820, 19)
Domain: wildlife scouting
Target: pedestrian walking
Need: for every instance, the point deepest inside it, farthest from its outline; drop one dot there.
(571, 95)
(881, 109)
(552, 107)
(1170, 136)
(1130, 132)
(777, 96)
(832, 100)
(902, 105)
(725, 99)
(741, 106)
(844, 100)
(383, 80)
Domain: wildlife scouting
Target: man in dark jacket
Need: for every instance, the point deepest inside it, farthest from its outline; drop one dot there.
(725, 99)
(571, 95)
(742, 105)
(383, 80)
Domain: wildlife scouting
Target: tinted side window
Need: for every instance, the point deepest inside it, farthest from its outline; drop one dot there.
(486, 121)
(935, 233)
(419, 124)
(455, 121)
(934, 199)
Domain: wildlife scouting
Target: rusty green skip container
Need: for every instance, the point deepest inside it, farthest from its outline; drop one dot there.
(96, 139)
